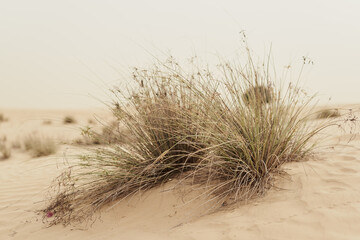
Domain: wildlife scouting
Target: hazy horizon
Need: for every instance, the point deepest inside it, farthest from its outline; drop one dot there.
(66, 54)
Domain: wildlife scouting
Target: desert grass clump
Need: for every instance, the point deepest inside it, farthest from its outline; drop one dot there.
(228, 131)
(39, 146)
(328, 113)
(88, 137)
(69, 120)
(252, 134)
(3, 118)
(4, 149)
(159, 116)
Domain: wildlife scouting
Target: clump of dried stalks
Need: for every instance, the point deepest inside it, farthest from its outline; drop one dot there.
(228, 131)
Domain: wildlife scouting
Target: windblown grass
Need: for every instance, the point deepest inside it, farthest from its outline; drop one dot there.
(328, 113)
(39, 146)
(228, 131)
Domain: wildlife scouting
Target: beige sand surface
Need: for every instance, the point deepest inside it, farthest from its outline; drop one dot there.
(320, 199)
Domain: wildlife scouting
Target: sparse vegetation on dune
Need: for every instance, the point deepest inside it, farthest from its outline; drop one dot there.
(3, 118)
(69, 120)
(39, 146)
(4, 149)
(225, 131)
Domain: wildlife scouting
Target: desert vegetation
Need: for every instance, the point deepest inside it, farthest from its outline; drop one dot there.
(39, 146)
(4, 149)
(328, 113)
(69, 120)
(3, 118)
(111, 133)
(226, 131)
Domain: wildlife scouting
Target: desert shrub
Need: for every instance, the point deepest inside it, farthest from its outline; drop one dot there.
(3, 118)
(250, 140)
(4, 150)
(39, 146)
(212, 128)
(69, 120)
(164, 144)
(88, 137)
(328, 113)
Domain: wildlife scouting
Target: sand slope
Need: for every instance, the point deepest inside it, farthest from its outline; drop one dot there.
(320, 199)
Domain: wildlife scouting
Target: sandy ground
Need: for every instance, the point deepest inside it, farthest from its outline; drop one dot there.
(320, 199)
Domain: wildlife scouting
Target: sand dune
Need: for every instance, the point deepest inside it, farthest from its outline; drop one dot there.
(318, 199)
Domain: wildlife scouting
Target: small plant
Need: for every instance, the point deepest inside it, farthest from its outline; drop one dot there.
(328, 113)
(39, 146)
(4, 150)
(88, 137)
(69, 120)
(3, 118)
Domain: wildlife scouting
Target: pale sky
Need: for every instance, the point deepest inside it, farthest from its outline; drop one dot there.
(67, 53)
